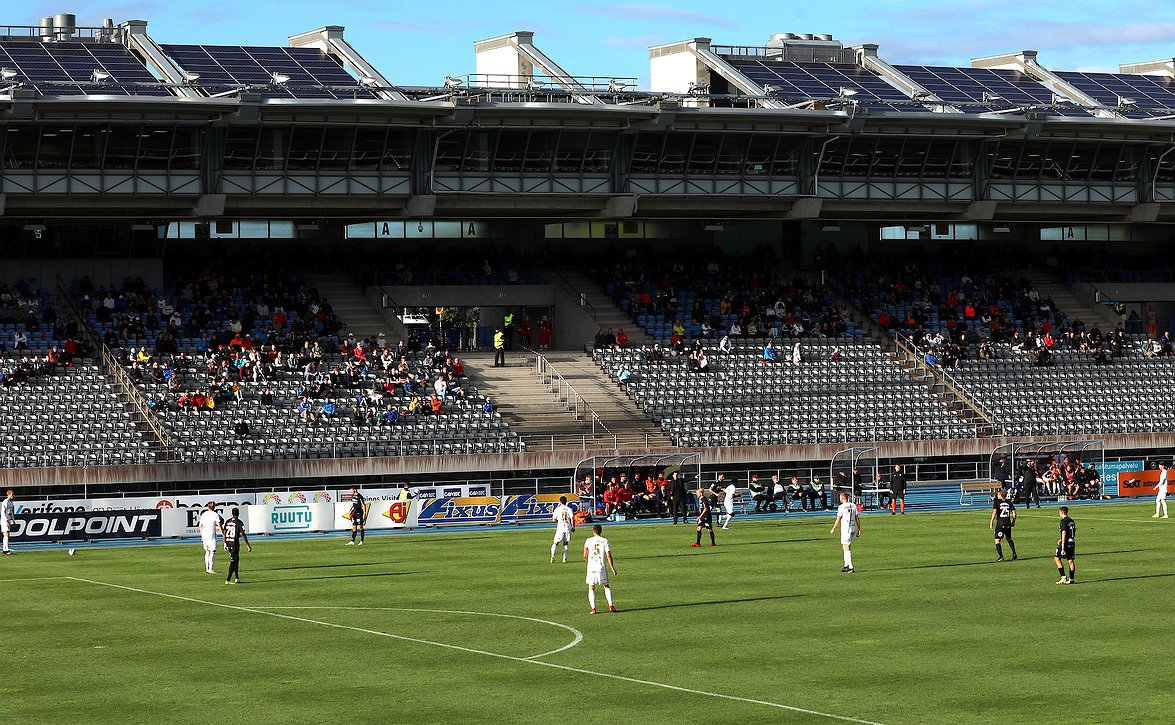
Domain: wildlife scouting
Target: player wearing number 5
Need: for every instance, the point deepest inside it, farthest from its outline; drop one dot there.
(598, 556)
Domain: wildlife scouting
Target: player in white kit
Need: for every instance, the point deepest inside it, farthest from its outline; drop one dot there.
(564, 519)
(849, 520)
(728, 494)
(210, 524)
(598, 556)
(1161, 490)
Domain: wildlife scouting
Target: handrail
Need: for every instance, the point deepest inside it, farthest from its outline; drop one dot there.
(549, 375)
(911, 349)
(582, 296)
(112, 367)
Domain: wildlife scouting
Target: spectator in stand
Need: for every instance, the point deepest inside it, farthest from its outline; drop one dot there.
(778, 492)
(796, 357)
(524, 333)
(621, 338)
(241, 428)
(436, 404)
(612, 499)
(759, 493)
(795, 492)
(20, 340)
(546, 332)
(770, 355)
(816, 491)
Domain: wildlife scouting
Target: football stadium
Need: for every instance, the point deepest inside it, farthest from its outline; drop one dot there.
(754, 311)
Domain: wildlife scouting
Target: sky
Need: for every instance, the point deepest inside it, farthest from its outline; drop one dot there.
(416, 43)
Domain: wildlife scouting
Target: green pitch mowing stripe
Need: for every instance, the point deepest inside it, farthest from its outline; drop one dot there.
(477, 627)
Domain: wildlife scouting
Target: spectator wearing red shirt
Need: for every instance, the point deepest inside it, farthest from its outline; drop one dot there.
(621, 338)
(612, 499)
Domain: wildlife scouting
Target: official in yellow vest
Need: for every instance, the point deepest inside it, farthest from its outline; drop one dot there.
(499, 348)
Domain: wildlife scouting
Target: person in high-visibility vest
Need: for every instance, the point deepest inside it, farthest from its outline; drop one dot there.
(499, 348)
(508, 328)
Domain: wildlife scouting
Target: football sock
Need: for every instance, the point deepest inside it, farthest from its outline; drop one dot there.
(849, 559)
(553, 550)
(711, 536)
(999, 550)
(903, 505)
(352, 536)
(1072, 573)
(699, 539)
(362, 534)
(592, 598)
(564, 552)
(1061, 571)
(608, 595)
(1013, 545)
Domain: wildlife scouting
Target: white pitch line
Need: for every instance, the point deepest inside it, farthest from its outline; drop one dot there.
(34, 579)
(573, 630)
(1083, 517)
(511, 658)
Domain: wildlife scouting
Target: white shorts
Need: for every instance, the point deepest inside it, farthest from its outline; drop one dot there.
(846, 536)
(1162, 495)
(209, 544)
(5, 527)
(729, 506)
(562, 534)
(597, 577)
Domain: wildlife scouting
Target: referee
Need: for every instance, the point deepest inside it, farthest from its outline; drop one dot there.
(234, 534)
(1003, 518)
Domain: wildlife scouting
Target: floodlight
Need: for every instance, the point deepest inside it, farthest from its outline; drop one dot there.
(278, 80)
(453, 83)
(770, 90)
(368, 82)
(848, 92)
(7, 74)
(535, 84)
(989, 97)
(698, 89)
(615, 86)
(190, 77)
(1059, 100)
(1126, 102)
(99, 76)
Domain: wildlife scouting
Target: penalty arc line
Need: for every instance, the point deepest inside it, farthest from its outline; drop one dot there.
(573, 630)
(470, 650)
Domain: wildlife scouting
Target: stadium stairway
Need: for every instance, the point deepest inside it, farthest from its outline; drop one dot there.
(350, 304)
(1074, 304)
(541, 414)
(605, 313)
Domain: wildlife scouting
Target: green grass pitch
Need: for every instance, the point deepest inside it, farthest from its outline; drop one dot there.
(763, 628)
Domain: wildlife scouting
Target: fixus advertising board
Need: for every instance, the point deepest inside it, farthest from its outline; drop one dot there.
(534, 507)
(461, 510)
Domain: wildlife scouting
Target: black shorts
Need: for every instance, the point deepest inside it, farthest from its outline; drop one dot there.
(234, 551)
(356, 520)
(1002, 532)
(706, 522)
(1068, 551)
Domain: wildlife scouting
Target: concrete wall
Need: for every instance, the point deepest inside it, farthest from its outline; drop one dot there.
(513, 295)
(574, 327)
(102, 272)
(407, 466)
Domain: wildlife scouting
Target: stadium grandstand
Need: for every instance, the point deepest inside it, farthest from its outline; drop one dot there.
(249, 265)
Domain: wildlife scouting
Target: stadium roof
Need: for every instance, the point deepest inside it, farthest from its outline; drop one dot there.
(798, 74)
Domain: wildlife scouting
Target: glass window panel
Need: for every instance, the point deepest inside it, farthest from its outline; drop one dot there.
(122, 147)
(369, 148)
(55, 144)
(240, 149)
(305, 145)
(703, 153)
(398, 151)
(510, 151)
(155, 147)
(336, 149)
(271, 149)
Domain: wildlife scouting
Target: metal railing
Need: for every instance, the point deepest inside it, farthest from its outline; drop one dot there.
(566, 394)
(83, 455)
(907, 346)
(560, 281)
(114, 370)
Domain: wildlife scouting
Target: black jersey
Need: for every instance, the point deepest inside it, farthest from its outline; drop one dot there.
(1003, 509)
(233, 528)
(1069, 531)
(358, 511)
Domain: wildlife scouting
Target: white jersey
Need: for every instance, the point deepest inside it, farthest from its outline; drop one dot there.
(1163, 482)
(847, 512)
(563, 516)
(209, 525)
(728, 501)
(597, 550)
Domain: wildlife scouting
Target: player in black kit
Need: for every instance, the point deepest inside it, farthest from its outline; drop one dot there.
(234, 534)
(705, 516)
(1066, 548)
(358, 516)
(1003, 518)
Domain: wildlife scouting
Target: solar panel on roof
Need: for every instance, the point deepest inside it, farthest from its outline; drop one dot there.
(981, 90)
(1152, 95)
(36, 63)
(226, 66)
(795, 82)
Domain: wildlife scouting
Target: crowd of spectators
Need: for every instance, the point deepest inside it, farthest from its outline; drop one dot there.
(713, 295)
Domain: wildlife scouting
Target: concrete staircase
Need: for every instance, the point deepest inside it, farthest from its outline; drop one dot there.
(1073, 303)
(606, 314)
(543, 414)
(350, 304)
